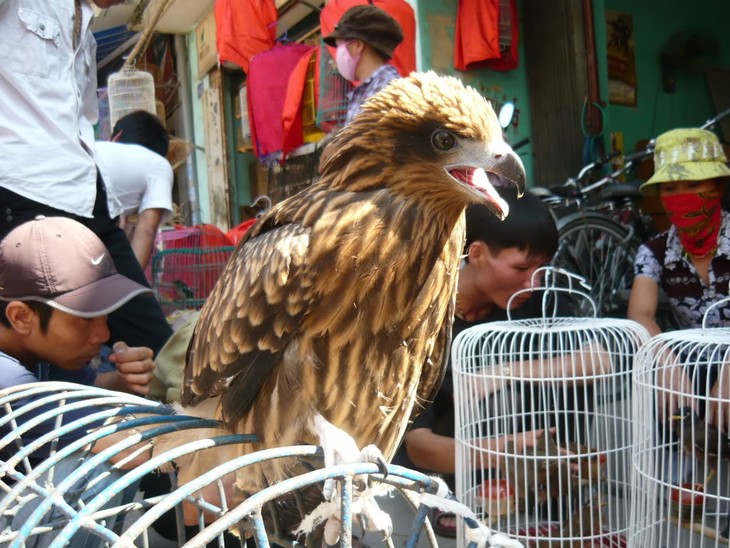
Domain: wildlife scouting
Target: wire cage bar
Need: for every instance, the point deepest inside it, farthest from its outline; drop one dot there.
(183, 278)
(66, 494)
(543, 425)
(680, 467)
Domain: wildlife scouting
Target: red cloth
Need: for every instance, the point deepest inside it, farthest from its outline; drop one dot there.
(244, 28)
(292, 136)
(477, 36)
(404, 57)
(237, 233)
(268, 81)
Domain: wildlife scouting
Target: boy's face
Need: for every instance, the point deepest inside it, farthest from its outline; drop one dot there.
(504, 273)
(69, 342)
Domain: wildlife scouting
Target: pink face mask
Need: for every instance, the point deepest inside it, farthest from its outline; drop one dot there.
(346, 63)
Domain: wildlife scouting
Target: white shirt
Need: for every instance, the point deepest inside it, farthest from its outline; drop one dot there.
(136, 178)
(48, 104)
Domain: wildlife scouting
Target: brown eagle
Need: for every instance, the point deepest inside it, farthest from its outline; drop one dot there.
(336, 308)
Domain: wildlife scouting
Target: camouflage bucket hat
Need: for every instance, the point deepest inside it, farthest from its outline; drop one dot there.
(686, 155)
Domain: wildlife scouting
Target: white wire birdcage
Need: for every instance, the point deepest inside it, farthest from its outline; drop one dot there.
(130, 90)
(562, 383)
(56, 491)
(680, 464)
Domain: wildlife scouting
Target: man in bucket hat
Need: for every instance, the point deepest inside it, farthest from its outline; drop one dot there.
(690, 261)
(365, 38)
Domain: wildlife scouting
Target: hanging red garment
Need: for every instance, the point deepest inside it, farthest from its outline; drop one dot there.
(292, 135)
(268, 81)
(487, 33)
(404, 57)
(244, 28)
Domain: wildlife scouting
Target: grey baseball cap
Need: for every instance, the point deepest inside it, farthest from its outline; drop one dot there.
(62, 263)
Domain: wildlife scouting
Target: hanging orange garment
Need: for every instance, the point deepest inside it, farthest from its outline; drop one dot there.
(477, 39)
(477, 32)
(244, 28)
(404, 57)
(292, 135)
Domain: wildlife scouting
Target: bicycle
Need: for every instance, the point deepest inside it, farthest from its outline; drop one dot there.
(601, 227)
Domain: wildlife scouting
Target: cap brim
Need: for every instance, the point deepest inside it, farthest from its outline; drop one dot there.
(99, 298)
(331, 39)
(685, 171)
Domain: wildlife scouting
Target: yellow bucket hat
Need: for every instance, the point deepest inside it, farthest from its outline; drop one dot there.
(686, 155)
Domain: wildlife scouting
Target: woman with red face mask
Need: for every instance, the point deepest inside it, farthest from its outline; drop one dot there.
(690, 261)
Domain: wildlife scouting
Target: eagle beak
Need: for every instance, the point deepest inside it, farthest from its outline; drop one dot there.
(499, 168)
(505, 164)
(505, 167)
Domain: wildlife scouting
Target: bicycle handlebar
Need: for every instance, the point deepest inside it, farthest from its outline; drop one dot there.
(712, 121)
(598, 163)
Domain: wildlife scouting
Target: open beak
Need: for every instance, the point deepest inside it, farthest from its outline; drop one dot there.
(486, 173)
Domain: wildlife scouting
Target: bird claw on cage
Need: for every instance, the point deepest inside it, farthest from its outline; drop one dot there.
(339, 448)
(364, 505)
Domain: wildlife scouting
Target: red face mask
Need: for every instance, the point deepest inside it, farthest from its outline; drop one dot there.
(697, 218)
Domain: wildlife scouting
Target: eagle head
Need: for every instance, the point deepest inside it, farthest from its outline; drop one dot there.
(427, 135)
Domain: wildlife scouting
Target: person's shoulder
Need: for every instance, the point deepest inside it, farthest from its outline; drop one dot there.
(13, 372)
(112, 147)
(657, 244)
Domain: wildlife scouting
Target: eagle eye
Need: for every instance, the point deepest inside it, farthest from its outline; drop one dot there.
(443, 140)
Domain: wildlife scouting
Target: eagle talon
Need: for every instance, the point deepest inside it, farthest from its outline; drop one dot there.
(372, 454)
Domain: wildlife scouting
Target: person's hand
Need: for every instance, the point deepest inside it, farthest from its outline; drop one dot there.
(526, 440)
(134, 369)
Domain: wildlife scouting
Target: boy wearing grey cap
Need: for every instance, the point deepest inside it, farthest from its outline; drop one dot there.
(57, 286)
(58, 283)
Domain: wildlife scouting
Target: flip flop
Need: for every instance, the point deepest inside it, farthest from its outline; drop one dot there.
(438, 519)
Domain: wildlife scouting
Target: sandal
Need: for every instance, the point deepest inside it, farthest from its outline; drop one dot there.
(443, 523)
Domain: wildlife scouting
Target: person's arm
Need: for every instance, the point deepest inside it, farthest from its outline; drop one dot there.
(144, 233)
(580, 366)
(134, 370)
(431, 451)
(643, 303)
(438, 453)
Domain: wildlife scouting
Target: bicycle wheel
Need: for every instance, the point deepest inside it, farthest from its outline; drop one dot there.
(601, 250)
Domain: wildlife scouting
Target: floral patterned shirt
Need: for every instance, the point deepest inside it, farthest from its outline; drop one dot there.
(663, 260)
(377, 81)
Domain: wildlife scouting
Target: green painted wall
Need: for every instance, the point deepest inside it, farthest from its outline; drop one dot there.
(655, 22)
(437, 22)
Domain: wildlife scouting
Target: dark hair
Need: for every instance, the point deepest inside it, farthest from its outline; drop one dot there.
(529, 226)
(142, 128)
(42, 310)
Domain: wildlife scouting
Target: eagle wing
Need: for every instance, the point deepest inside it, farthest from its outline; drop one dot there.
(250, 317)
